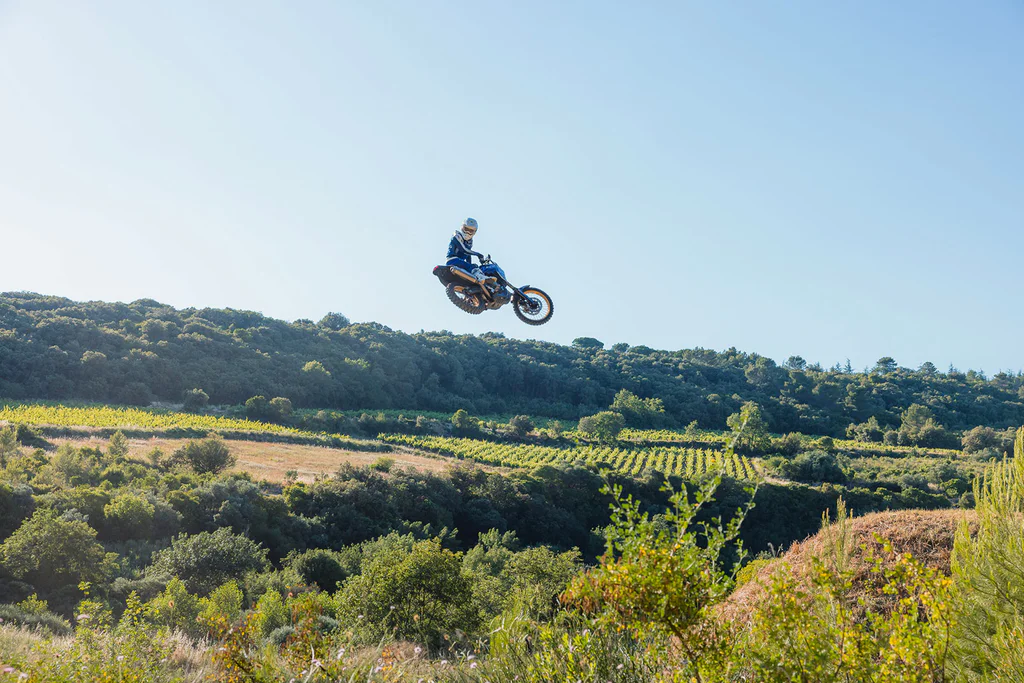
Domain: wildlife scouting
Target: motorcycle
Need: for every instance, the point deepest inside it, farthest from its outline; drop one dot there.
(531, 305)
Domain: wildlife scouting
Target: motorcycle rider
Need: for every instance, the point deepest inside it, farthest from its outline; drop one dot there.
(460, 250)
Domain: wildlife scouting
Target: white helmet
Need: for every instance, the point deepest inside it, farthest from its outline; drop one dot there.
(469, 227)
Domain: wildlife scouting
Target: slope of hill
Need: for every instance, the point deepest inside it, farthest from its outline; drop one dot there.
(52, 347)
(927, 535)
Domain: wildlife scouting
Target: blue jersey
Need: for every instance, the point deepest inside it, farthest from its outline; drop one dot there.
(461, 249)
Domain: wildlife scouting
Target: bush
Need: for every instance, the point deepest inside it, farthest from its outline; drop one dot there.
(419, 595)
(210, 455)
(195, 400)
(320, 567)
(790, 444)
(604, 426)
(17, 615)
(51, 551)
(812, 467)
(280, 408)
(129, 516)
(209, 559)
(520, 425)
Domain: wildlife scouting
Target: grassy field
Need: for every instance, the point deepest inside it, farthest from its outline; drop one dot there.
(271, 461)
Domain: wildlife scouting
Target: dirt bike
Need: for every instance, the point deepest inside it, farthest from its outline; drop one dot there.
(471, 295)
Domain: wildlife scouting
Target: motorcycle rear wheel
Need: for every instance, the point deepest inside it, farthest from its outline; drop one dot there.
(538, 310)
(470, 304)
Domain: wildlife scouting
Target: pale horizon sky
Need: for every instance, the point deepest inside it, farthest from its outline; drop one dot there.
(832, 180)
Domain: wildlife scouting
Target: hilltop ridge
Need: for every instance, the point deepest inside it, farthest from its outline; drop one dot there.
(134, 353)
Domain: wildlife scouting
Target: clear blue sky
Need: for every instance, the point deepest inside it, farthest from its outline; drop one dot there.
(830, 179)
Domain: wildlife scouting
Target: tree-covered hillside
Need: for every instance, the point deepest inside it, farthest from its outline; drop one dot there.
(52, 347)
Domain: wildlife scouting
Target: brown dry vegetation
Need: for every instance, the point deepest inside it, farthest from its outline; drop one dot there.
(926, 534)
(270, 461)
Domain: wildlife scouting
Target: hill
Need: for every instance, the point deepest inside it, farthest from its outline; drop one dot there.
(55, 348)
(927, 535)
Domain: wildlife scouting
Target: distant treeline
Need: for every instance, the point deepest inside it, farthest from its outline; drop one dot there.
(55, 348)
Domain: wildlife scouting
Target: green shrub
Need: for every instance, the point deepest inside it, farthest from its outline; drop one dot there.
(209, 559)
(210, 455)
(33, 618)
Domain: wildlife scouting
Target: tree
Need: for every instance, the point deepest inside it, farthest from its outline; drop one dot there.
(639, 412)
(280, 407)
(587, 343)
(812, 467)
(870, 431)
(465, 423)
(128, 516)
(195, 400)
(321, 567)
(51, 551)
(919, 428)
(209, 559)
(795, 363)
(749, 431)
(419, 595)
(208, 455)
(315, 368)
(521, 425)
(118, 446)
(257, 408)
(9, 445)
(334, 321)
(604, 426)
(885, 365)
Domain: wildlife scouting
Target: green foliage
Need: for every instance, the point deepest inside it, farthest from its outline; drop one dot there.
(280, 408)
(207, 455)
(420, 595)
(604, 426)
(750, 433)
(870, 431)
(663, 576)
(790, 444)
(9, 445)
(988, 565)
(271, 613)
(464, 423)
(919, 428)
(521, 425)
(50, 550)
(587, 343)
(129, 515)
(209, 559)
(224, 604)
(319, 567)
(176, 608)
(195, 400)
(334, 321)
(637, 412)
(118, 446)
(34, 613)
(812, 467)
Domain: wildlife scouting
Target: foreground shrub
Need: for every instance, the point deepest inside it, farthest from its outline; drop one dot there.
(988, 567)
(420, 595)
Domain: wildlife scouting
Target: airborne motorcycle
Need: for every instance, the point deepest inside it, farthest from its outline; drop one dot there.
(531, 305)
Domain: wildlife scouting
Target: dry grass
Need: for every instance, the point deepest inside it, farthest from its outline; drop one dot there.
(926, 534)
(270, 461)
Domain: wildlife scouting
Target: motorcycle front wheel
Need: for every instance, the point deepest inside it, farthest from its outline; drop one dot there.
(469, 304)
(536, 308)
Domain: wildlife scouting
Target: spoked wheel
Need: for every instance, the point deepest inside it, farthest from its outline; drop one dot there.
(536, 308)
(469, 303)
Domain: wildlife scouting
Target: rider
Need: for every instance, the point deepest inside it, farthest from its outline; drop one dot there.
(460, 250)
